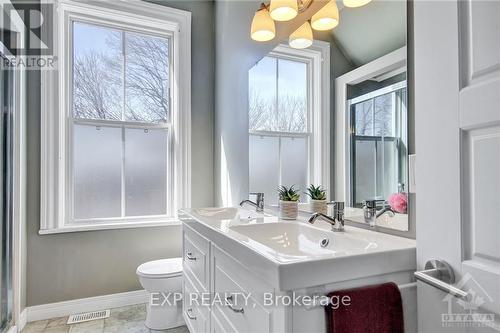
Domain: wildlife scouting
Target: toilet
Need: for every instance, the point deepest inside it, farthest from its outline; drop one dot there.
(162, 278)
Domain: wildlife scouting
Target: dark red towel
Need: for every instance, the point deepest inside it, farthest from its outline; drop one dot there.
(372, 309)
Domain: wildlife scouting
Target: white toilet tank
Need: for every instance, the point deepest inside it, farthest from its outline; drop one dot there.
(162, 278)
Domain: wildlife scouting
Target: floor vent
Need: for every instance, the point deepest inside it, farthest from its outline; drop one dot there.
(83, 317)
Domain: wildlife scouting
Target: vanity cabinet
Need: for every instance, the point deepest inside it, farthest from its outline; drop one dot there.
(209, 271)
(233, 266)
(196, 258)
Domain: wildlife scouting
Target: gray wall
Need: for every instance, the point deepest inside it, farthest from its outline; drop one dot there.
(74, 265)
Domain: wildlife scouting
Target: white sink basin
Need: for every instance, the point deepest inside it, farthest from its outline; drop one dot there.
(230, 213)
(288, 255)
(288, 241)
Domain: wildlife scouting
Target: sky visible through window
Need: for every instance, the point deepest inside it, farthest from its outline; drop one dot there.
(119, 75)
(278, 96)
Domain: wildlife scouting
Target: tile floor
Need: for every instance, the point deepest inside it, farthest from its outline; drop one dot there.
(129, 319)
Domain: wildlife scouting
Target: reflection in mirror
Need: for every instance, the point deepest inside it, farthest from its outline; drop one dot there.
(352, 140)
(377, 148)
(378, 120)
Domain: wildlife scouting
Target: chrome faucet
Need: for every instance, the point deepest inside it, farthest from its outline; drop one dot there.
(338, 214)
(259, 205)
(324, 217)
(337, 221)
(371, 214)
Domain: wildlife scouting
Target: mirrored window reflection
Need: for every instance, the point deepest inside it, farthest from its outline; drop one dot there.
(278, 96)
(379, 144)
(278, 126)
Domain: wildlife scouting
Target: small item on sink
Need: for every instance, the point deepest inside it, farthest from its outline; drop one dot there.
(398, 202)
(317, 197)
(288, 203)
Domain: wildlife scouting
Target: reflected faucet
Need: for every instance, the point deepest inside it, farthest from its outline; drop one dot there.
(259, 205)
(371, 214)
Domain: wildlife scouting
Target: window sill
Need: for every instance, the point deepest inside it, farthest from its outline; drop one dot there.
(109, 226)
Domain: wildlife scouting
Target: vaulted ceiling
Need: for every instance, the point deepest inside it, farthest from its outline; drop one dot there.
(371, 31)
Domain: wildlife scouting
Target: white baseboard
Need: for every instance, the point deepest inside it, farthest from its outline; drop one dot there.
(66, 308)
(13, 329)
(23, 319)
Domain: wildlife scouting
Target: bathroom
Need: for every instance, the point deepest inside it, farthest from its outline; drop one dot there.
(237, 166)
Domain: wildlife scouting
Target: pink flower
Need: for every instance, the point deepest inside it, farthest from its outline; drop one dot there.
(399, 202)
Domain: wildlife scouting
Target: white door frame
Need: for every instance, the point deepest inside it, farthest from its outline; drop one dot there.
(19, 176)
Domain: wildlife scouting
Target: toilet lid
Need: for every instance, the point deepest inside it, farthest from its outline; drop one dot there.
(161, 268)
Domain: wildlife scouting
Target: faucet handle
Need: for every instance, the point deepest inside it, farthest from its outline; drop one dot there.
(259, 200)
(371, 204)
(339, 205)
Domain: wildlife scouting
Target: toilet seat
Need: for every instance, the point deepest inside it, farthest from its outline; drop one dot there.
(163, 268)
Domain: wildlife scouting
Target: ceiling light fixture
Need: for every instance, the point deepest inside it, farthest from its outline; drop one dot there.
(356, 3)
(326, 18)
(283, 10)
(302, 37)
(263, 28)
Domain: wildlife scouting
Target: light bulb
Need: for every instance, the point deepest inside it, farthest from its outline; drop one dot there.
(283, 10)
(302, 37)
(263, 28)
(327, 17)
(356, 3)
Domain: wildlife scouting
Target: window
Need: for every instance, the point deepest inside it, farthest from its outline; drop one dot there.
(378, 143)
(123, 111)
(285, 123)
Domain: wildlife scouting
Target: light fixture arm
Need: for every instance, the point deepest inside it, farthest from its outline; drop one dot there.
(303, 5)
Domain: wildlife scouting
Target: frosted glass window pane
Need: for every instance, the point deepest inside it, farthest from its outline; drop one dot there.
(147, 78)
(365, 171)
(97, 161)
(387, 168)
(262, 95)
(294, 161)
(145, 172)
(292, 96)
(264, 167)
(97, 72)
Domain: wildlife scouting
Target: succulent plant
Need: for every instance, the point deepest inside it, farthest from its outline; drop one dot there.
(316, 192)
(288, 194)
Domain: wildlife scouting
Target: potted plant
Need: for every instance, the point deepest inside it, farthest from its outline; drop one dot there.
(317, 197)
(288, 203)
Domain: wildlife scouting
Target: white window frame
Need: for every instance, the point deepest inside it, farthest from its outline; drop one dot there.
(130, 15)
(317, 59)
(384, 67)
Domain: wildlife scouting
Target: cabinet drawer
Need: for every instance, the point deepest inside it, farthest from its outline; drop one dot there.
(217, 325)
(196, 315)
(196, 256)
(243, 316)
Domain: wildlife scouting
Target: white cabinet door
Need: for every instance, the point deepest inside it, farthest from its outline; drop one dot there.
(457, 108)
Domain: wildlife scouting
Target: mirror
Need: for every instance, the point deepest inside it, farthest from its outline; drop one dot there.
(344, 125)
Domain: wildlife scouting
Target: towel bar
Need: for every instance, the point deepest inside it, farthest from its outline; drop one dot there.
(439, 274)
(316, 303)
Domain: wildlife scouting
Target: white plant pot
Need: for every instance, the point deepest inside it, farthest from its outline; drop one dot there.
(318, 206)
(288, 210)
